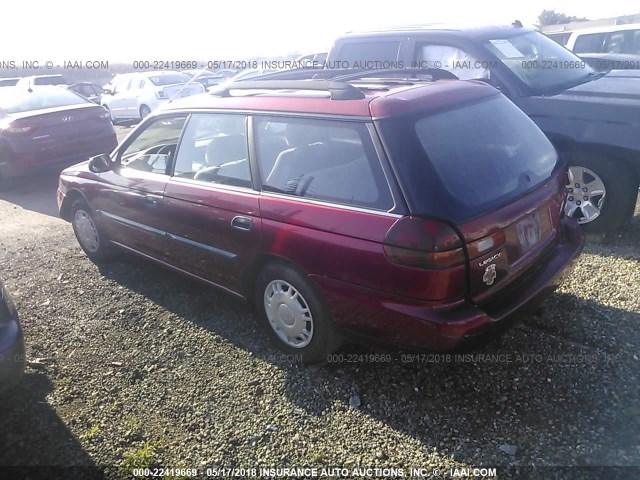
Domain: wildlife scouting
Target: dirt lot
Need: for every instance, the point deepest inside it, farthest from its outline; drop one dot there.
(131, 365)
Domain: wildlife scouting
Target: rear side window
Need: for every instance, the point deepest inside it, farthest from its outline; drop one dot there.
(589, 43)
(463, 162)
(321, 159)
(369, 52)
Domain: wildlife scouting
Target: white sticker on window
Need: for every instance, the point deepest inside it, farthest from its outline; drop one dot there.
(507, 48)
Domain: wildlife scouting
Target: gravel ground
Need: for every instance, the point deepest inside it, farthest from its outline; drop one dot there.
(131, 365)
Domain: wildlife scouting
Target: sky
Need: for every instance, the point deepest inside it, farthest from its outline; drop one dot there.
(232, 30)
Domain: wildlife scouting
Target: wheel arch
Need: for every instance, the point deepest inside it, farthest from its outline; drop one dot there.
(629, 158)
(256, 265)
(70, 198)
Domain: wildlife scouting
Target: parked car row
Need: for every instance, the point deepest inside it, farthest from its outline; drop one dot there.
(406, 205)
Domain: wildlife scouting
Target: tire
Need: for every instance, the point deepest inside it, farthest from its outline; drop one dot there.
(601, 193)
(91, 238)
(282, 294)
(144, 111)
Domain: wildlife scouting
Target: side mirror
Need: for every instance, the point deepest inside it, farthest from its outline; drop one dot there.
(100, 163)
(107, 91)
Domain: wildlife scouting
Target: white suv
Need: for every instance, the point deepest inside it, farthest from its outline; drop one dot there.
(133, 96)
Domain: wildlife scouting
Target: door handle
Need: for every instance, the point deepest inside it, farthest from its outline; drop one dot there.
(151, 200)
(242, 223)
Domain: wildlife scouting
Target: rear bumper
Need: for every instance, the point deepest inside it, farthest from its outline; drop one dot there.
(418, 324)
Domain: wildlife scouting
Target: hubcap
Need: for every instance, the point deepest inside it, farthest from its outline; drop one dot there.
(288, 313)
(585, 195)
(86, 230)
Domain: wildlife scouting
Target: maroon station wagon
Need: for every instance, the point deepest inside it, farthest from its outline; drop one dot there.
(421, 213)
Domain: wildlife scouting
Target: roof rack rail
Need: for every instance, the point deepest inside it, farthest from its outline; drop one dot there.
(434, 73)
(354, 74)
(337, 90)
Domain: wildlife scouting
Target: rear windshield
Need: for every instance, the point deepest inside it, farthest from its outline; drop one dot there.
(169, 79)
(50, 80)
(19, 99)
(464, 162)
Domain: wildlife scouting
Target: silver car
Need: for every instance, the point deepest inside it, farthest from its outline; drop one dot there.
(133, 96)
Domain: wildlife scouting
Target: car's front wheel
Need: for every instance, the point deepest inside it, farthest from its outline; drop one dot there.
(294, 315)
(90, 237)
(601, 193)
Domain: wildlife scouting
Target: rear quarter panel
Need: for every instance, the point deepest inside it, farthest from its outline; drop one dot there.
(346, 245)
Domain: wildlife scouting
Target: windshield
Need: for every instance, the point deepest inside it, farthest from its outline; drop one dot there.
(463, 162)
(169, 79)
(18, 99)
(539, 62)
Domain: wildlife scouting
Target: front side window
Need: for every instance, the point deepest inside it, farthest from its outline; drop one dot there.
(153, 149)
(121, 85)
(321, 159)
(453, 59)
(214, 149)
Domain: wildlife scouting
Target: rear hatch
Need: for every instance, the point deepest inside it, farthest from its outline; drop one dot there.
(485, 169)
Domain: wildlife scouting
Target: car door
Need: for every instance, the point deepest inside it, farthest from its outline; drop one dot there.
(136, 90)
(215, 225)
(129, 200)
(119, 101)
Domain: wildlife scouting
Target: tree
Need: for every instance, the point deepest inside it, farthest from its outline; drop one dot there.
(551, 17)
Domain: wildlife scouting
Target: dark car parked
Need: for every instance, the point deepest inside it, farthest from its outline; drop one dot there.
(45, 126)
(11, 342)
(591, 117)
(88, 90)
(421, 213)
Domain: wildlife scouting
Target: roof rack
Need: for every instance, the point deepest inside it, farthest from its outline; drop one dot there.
(337, 90)
(355, 74)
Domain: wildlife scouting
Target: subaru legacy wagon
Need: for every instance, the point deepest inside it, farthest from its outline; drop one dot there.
(415, 211)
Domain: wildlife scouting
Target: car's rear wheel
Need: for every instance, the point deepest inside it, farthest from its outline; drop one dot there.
(144, 111)
(89, 235)
(294, 315)
(601, 193)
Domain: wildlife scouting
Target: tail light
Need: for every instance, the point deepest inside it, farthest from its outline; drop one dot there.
(419, 243)
(161, 94)
(9, 129)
